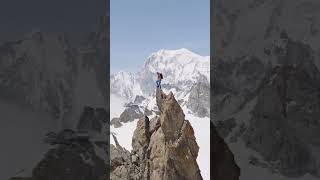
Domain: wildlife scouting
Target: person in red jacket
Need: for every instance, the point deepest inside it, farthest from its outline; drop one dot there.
(159, 77)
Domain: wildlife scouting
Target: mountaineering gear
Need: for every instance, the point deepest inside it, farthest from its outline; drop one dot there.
(160, 76)
(158, 83)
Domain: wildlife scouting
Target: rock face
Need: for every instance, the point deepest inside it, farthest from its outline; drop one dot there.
(120, 161)
(139, 99)
(266, 78)
(74, 156)
(92, 119)
(131, 113)
(223, 163)
(71, 162)
(164, 148)
(40, 71)
(141, 135)
(115, 122)
(198, 101)
(278, 109)
(45, 73)
(160, 96)
(290, 100)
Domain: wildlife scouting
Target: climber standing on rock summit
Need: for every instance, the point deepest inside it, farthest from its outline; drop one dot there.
(159, 78)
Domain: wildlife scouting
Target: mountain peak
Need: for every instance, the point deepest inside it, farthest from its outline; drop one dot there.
(175, 52)
(159, 146)
(123, 72)
(179, 67)
(180, 57)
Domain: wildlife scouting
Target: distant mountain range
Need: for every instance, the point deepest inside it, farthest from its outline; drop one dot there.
(185, 72)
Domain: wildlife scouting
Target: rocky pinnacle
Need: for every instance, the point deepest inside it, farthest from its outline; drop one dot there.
(164, 148)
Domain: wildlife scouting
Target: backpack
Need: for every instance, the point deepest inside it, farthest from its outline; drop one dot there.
(161, 76)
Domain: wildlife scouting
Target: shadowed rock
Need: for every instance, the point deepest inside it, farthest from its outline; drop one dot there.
(70, 162)
(130, 114)
(91, 119)
(223, 163)
(115, 122)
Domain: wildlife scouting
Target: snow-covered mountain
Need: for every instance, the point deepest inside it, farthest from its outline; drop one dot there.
(186, 74)
(43, 71)
(266, 86)
(182, 70)
(125, 84)
(45, 84)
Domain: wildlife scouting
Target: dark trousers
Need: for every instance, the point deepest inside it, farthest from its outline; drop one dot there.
(158, 83)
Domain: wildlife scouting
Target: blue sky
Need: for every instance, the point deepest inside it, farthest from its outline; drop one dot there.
(140, 27)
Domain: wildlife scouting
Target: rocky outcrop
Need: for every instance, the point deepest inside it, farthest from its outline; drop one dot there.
(76, 154)
(66, 137)
(115, 122)
(160, 96)
(223, 164)
(141, 135)
(119, 161)
(164, 148)
(72, 162)
(139, 99)
(131, 113)
(147, 112)
(92, 119)
(118, 166)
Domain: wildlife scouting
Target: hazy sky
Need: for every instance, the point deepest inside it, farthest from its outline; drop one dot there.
(140, 27)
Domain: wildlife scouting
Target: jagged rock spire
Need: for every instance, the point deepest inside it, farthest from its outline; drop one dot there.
(164, 148)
